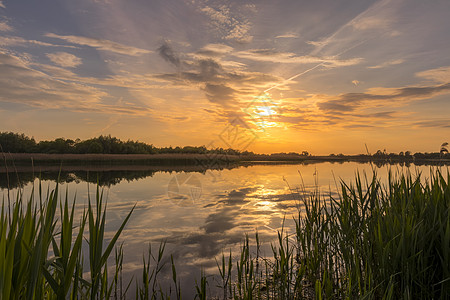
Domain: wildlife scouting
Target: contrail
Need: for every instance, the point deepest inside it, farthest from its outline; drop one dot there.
(316, 66)
(326, 41)
(293, 77)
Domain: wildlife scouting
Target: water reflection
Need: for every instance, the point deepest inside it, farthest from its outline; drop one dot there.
(13, 176)
(103, 178)
(233, 202)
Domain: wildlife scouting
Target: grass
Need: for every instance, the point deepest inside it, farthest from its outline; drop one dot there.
(40, 254)
(374, 241)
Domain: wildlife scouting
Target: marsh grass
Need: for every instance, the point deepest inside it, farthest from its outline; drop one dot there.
(41, 248)
(374, 241)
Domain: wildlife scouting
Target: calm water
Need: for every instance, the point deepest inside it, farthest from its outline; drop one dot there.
(201, 215)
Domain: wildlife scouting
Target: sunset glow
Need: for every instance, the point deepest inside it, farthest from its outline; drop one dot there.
(323, 77)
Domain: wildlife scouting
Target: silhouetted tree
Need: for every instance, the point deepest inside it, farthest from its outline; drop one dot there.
(105, 144)
(16, 143)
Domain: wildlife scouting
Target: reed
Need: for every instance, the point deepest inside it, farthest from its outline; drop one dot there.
(40, 253)
(374, 241)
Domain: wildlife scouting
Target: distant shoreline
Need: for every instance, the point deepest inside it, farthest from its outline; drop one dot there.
(17, 169)
(208, 160)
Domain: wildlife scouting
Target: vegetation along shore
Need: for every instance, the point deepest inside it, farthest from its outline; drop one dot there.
(110, 150)
(373, 241)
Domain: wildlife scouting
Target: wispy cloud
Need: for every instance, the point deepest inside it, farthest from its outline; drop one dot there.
(64, 59)
(371, 22)
(304, 115)
(287, 35)
(438, 75)
(223, 86)
(214, 50)
(439, 123)
(387, 64)
(20, 83)
(375, 108)
(219, 93)
(377, 16)
(166, 52)
(4, 26)
(19, 41)
(2, 5)
(240, 33)
(389, 97)
(126, 80)
(274, 56)
(320, 43)
(231, 24)
(100, 44)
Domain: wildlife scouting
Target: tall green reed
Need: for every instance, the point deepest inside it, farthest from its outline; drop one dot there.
(41, 253)
(379, 241)
(374, 241)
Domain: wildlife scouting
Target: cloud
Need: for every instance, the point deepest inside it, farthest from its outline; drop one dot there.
(380, 15)
(387, 64)
(200, 71)
(365, 109)
(351, 33)
(4, 25)
(301, 116)
(440, 123)
(64, 59)
(100, 44)
(131, 81)
(236, 198)
(219, 15)
(274, 56)
(214, 50)
(166, 52)
(351, 101)
(219, 93)
(18, 41)
(220, 221)
(232, 25)
(22, 84)
(19, 83)
(441, 74)
(371, 22)
(287, 35)
(2, 5)
(320, 43)
(224, 86)
(240, 33)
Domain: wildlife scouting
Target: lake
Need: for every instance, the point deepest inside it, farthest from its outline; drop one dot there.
(201, 214)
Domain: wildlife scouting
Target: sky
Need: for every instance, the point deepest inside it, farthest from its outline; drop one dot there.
(326, 76)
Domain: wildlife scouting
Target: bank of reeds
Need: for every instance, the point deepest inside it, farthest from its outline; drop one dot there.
(379, 241)
(41, 248)
(374, 241)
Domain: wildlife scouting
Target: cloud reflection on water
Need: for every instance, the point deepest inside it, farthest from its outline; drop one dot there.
(242, 201)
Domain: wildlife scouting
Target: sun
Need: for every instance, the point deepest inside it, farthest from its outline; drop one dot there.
(265, 111)
(262, 111)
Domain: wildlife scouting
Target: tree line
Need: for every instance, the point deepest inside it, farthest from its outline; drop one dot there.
(104, 144)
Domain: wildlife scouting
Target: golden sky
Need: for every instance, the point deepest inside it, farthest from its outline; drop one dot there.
(266, 76)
